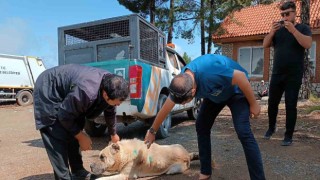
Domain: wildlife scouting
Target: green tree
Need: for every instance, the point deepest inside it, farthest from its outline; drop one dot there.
(173, 20)
(189, 18)
(186, 57)
(143, 7)
(207, 16)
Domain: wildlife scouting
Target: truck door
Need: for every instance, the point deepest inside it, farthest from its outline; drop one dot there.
(173, 65)
(36, 67)
(182, 63)
(174, 70)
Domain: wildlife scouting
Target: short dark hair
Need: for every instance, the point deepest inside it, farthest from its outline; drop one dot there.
(115, 86)
(180, 88)
(288, 5)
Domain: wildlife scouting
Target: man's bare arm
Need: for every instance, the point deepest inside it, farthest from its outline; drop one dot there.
(267, 41)
(304, 41)
(240, 79)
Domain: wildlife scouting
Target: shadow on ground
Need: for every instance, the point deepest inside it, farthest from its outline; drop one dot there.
(34, 143)
(39, 177)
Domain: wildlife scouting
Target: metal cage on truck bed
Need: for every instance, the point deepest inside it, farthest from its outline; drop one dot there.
(125, 37)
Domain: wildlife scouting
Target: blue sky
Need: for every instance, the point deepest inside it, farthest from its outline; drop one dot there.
(29, 27)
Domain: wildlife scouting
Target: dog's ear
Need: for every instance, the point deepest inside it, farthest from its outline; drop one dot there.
(115, 148)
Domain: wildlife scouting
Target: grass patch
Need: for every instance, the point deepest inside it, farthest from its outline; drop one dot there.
(314, 98)
(313, 108)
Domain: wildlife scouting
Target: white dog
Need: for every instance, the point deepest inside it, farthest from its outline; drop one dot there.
(131, 159)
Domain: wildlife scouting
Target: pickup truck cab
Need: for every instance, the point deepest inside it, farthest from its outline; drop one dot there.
(130, 47)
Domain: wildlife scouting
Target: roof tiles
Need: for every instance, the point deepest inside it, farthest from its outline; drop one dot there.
(256, 20)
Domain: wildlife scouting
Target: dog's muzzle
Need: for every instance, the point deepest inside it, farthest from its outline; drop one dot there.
(97, 168)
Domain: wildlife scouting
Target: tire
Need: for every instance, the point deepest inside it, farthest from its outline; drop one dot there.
(94, 129)
(24, 98)
(163, 131)
(193, 112)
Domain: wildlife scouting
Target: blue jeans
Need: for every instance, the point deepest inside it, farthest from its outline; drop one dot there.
(239, 107)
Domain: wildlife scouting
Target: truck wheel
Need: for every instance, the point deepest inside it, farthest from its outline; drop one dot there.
(193, 112)
(94, 129)
(163, 131)
(24, 98)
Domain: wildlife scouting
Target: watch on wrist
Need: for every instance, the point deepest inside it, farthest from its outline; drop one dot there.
(152, 131)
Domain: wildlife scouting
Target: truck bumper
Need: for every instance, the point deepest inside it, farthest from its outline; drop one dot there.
(127, 109)
(126, 113)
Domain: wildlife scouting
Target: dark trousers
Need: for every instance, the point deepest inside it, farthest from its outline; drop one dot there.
(63, 151)
(290, 85)
(239, 107)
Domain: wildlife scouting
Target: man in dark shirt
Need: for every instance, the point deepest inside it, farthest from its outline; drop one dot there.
(64, 97)
(290, 39)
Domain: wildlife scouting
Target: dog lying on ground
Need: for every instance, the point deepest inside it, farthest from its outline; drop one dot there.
(131, 159)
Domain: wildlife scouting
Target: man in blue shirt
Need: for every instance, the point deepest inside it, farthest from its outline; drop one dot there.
(220, 81)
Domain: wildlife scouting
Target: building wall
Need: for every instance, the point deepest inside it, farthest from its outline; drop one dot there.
(231, 50)
(227, 50)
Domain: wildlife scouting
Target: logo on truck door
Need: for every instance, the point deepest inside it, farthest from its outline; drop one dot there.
(120, 72)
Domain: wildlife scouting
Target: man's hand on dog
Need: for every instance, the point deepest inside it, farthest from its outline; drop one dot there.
(84, 141)
(115, 138)
(149, 139)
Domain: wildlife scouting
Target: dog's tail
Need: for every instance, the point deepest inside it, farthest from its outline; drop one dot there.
(194, 156)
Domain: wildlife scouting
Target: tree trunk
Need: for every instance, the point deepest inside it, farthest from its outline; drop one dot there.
(171, 20)
(202, 28)
(152, 9)
(210, 30)
(305, 90)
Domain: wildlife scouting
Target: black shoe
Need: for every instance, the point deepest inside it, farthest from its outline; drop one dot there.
(83, 175)
(286, 142)
(269, 133)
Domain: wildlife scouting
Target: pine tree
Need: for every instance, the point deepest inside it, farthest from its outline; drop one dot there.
(143, 7)
(186, 57)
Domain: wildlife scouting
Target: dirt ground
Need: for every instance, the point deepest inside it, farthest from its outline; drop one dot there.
(23, 156)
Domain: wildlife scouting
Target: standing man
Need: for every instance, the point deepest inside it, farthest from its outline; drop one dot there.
(64, 97)
(289, 39)
(220, 81)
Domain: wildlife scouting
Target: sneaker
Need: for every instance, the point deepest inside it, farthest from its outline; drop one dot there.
(286, 142)
(269, 133)
(83, 175)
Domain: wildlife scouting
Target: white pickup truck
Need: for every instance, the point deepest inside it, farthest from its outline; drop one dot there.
(130, 47)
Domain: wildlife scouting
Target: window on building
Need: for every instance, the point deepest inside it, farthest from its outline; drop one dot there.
(251, 59)
(312, 55)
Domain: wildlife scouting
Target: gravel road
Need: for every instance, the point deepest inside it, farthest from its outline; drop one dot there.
(23, 156)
